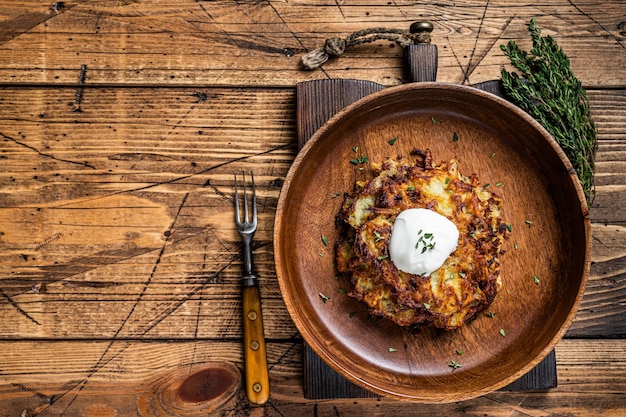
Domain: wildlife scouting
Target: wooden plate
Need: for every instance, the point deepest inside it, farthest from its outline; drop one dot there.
(544, 269)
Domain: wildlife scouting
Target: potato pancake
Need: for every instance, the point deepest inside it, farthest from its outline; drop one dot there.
(469, 278)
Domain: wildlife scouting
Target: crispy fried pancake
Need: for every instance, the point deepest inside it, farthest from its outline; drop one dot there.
(468, 280)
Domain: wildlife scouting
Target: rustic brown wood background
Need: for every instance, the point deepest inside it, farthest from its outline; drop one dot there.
(121, 123)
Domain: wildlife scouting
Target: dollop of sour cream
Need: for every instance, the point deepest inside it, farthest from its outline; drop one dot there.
(421, 241)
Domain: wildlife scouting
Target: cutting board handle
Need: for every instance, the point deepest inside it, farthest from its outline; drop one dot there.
(422, 57)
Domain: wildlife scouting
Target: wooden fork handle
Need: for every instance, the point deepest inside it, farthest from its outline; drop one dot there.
(256, 372)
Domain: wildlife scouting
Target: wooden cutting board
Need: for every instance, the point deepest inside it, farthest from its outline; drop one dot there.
(317, 101)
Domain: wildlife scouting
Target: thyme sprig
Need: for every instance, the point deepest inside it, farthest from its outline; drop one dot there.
(550, 92)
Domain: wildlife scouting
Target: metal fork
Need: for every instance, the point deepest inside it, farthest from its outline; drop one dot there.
(256, 371)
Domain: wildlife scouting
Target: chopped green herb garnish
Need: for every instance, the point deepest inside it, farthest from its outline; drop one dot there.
(392, 349)
(352, 314)
(382, 257)
(509, 227)
(462, 274)
(486, 185)
(459, 352)
(502, 333)
(498, 184)
(493, 155)
(529, 223)
(392, 141)
(410, 188)
(455, 137)
(324, 240)
(491, 314)
(427, 240)
(432, 119)
(360, 160)
(536, 279)
(378, 236)
(454, 365)
(341, 291)
(447, 180)
(426, 305)
(515, 246)
(355, 149)
(336, 195)
(324, 297)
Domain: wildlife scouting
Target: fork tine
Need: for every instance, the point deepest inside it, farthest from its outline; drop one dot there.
(247, 222)
(237, 217)
(254, 215)
(245, 199)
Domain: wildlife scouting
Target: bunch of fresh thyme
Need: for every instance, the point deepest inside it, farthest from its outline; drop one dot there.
(551, 93)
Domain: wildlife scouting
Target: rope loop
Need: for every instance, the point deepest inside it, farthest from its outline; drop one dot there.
(334, 47)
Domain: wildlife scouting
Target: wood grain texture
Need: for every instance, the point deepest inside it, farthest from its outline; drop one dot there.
(317, 101)
(255, 357)
(259, 43)
(142, 378)
(118, 262)
(556, 247)
(422, 61)
(153, 215)
(321, 382)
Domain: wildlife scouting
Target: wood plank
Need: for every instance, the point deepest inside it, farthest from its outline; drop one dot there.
(150, 213)
(129, 378)
(118, 265)
(123, 211)
(318, 101)
(260, 43)
(608, 269)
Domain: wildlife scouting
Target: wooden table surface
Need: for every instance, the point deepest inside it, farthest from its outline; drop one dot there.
(121, 123)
